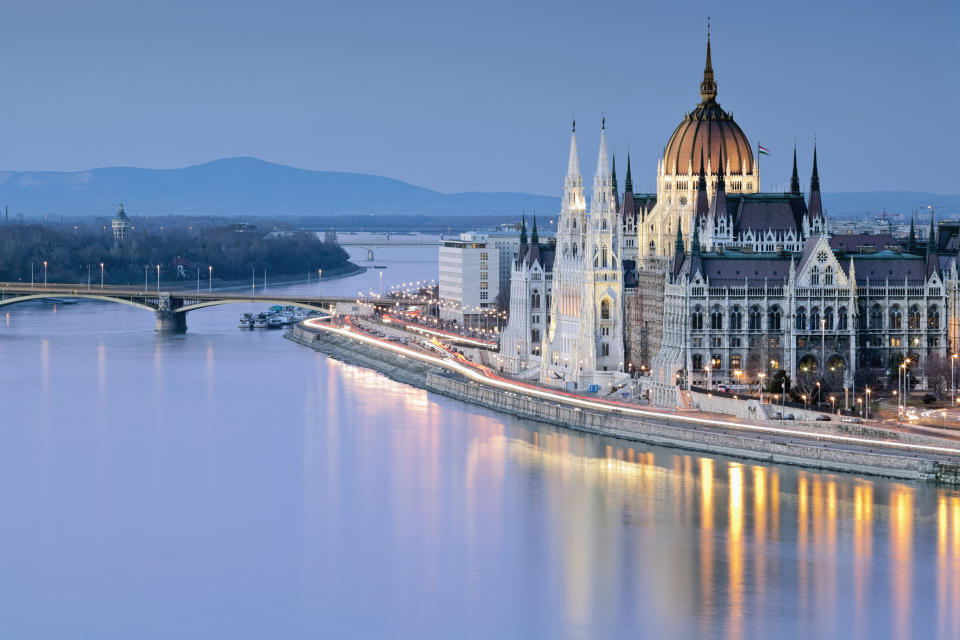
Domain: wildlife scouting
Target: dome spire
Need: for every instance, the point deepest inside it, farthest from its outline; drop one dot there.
(795, 178)
(708, 88)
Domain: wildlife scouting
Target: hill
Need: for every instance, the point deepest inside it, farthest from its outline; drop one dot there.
(248, 186)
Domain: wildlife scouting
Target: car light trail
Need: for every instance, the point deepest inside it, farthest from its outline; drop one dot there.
(483, 378)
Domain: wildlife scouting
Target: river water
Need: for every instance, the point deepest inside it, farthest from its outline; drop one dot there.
(231, 484)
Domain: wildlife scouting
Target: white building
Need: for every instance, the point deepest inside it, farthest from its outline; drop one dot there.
(469, 277)
(531, 285)
(584, 344)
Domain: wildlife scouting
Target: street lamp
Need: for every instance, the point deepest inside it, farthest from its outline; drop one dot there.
(101, 275)
(44, 273)
(833, 401)
(953, 387)
(210, 271)
(158, 278)
(761, 376)
(805, 405)
(867, 403)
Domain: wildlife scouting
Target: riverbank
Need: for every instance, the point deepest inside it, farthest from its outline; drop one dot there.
(852, 454)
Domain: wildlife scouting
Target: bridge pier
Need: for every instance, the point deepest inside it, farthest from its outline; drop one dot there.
(170, 322)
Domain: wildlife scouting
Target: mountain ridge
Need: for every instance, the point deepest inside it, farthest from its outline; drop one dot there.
(250, 186)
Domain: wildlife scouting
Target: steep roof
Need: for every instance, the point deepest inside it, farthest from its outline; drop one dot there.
(855, 242)
(763, 211)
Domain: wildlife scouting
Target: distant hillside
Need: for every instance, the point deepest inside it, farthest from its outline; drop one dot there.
(247, 186)
(243, 186)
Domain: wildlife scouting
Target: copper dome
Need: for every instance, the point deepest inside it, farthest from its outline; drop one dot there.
(711, 130)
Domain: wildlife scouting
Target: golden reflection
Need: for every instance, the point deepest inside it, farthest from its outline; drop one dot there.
(802, 521)
(901, 543)
(706, 543)
(735, 552)
(760, 533)
(862, 553)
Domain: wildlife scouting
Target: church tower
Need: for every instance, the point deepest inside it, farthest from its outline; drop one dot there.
(583, 344)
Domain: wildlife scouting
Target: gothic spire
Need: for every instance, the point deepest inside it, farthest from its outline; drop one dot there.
(678, 247)
(708, 88)
(815, 178)
(613, 173)
(523, 231)
(573, 165)
(603, 160)
(534, 238)
(932, 238)
(815, 208)
(721, 184)
(703, 204)
(794, 178)
(695, 243)
(628, 182)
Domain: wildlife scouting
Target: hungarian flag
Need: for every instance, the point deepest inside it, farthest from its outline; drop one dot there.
(762, 150)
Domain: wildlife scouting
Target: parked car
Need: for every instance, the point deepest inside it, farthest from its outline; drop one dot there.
(823, 418)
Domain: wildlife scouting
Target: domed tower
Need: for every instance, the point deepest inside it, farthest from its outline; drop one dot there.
(706, 144)
(707, 134)
(121, 224)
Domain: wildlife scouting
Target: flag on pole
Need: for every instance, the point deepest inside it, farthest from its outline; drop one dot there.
(763, 150)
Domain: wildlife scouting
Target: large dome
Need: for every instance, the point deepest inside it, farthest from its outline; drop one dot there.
(710, 130)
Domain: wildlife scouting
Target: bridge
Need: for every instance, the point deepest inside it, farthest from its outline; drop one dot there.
(170, 307)
(372, 241)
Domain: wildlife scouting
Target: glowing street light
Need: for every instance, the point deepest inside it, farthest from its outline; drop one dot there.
(210, 271)
(44, 273)
(101, 275)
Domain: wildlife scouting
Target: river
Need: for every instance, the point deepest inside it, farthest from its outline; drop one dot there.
(230, 484)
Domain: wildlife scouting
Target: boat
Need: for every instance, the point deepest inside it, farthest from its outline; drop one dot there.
(274, 322)
(246, 321)
(260, 321)
(379, 266)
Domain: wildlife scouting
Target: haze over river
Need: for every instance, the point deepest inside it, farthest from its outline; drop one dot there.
(231, 484)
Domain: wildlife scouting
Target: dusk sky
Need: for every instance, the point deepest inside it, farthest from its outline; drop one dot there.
(460, 97)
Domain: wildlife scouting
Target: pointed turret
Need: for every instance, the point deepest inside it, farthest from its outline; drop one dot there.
(703, 205)
(523, 231)
(678, 251)
(573, 183)
(603, 159)
(628, 182)
(613, 181)
(718, 207)
(708, 88)
(815, 206)
(603, 200)
(721, 181)
(534, 238)
(932, 236)
(795, 178)
(696, 262)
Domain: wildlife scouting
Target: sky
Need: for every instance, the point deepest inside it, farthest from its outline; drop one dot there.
(460, 96)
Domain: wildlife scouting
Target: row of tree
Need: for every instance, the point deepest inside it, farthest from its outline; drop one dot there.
(179, 250)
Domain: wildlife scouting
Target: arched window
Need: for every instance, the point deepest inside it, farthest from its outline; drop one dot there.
(596, 256)
(914, 317)
(603, 224)
(801, 319)
(606, 262)
(605, 309)
(814, 276)
(756, 318)
(828, 276)
(696, 320)
(842, 319)
(815, 319)
(574, 249)
(653, 248)
(774, 319)
(716, 319)
(933, 318)
(604, 349)
(876, 317)
(535, 300)
(861, 318)
(896, 319)
(736, 319)
(828, 317)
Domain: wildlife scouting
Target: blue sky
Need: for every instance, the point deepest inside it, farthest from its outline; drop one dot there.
(478, 96)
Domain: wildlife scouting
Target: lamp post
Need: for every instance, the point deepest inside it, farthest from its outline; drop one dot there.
(210, 271)
(833, 401)
(805, 405)
(101, 275)
(44, 274)
(860, 402)
(146, 277)
(761, 376)
(953, 388)
(158, 278)
(319, 278)
(867, 403)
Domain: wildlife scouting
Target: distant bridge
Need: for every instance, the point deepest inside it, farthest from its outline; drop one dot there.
(170, 307)
(372, 241)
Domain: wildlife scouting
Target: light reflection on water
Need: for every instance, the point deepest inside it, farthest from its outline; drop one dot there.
(228, 483)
